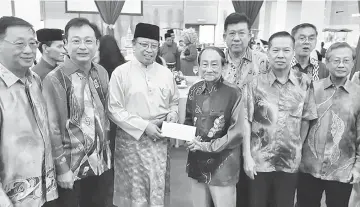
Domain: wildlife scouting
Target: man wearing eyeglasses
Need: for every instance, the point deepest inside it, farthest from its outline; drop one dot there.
(75, 93)
(305, 35)
(331, 152)
(27, 174)
(243, 64)
(142, 94)
(52, 48)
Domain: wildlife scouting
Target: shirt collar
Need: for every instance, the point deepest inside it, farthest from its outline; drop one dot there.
(70, 67)
(291, 77)
(327, 83)
(138, 64)
(215, 87)
(312, 61)
(247, 55)
(46, 64)
(10, 78)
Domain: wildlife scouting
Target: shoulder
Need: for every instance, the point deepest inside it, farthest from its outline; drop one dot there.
(100, 68)
(35, 77)
(163, 70)
(232, 88)
(122, 68)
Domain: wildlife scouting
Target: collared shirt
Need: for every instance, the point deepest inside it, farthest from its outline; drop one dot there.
(315, 70)
(275, 111)
(252, 64)
(43, 68)
(78, 123)
(332, 147)
(138, 94)
(169, 53)
(217, 114)
(27, 176)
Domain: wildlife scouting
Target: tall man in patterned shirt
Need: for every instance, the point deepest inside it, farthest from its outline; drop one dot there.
(331, 153)
(242, 65)
(306, 39)
(27, 174)
(75, 93)
(279, 105)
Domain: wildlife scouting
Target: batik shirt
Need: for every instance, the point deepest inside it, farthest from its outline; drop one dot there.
(27, 175)
(275, 111)
(218, 115)
(252, 64)
(315, 70)
(332, 148)
(78, 123)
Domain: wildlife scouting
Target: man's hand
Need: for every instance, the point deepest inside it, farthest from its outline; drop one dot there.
(249, 167)
(66, 180)
(196, 144)
(153, 132)
(172, 117)
(355, 176)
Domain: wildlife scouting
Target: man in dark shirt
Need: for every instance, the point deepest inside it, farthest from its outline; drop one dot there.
(306, 39)
(52, 48)
(169, 51)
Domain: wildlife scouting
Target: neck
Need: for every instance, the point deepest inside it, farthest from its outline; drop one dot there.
(83, 66)
(303, 60)
(210, 84)
(18, 72)
(49, 60)
(282, 75)
(237, 56)
(338, 81)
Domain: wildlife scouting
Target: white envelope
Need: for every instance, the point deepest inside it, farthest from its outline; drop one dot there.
(178, 131)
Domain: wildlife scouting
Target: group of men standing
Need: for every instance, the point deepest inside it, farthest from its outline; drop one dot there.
(266, 124)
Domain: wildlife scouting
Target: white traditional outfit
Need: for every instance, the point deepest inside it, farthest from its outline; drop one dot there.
(137, 95)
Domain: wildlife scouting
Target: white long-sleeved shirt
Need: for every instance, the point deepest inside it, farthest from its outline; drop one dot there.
(138, 94)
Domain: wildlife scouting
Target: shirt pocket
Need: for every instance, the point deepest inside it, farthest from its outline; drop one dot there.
(164, 93)
(293, 125)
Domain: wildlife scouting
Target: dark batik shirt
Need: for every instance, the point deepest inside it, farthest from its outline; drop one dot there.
(275, 111)
(315, 70)
(332, 148)
(218, 115)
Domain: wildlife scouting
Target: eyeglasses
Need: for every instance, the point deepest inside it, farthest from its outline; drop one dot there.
(78, 42)
(338, 62)
(33, 44)
(150, 45)
(232, 34)
(303, 39)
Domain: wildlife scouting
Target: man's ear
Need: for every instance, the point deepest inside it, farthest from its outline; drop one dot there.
(224, 36)
(44, 47)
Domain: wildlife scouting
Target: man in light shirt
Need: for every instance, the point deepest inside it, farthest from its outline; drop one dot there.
(142, 94)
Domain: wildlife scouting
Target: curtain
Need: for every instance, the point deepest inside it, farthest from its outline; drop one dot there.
(250, 8)
(109, 12)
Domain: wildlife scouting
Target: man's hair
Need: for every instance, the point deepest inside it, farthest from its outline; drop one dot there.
(8, 21)
(301, 26)
(47, 43)
(281, 34)
(236, 18)
(219, 51)
(79, 22)
(339, 45)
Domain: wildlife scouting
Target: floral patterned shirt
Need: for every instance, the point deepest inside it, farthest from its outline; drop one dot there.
(253, 63)
(316, 70)
(217, 114)
(275, 111)
(332, 147)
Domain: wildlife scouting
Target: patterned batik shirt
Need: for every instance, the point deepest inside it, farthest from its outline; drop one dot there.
(27, 174)
(252, 64)
(332, 148)
(315, 70)
(218, 115)
(275, 112)
(78, 123)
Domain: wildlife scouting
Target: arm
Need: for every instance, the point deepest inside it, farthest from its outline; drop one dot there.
(193, 55)
(305, 126)
(4, 199)
(130, 123)
(173, 114)
(55, 96)
(189, 117)
(356, 168)
(233, 138)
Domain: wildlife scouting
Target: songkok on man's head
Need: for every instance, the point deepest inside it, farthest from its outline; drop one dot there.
(166, 35)
(170, 31)
(149, 31)
(46, 35)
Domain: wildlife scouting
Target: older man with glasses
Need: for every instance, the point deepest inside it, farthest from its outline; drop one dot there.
(305, 35)
(76, 94)
(27, 174)
(142, 94)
